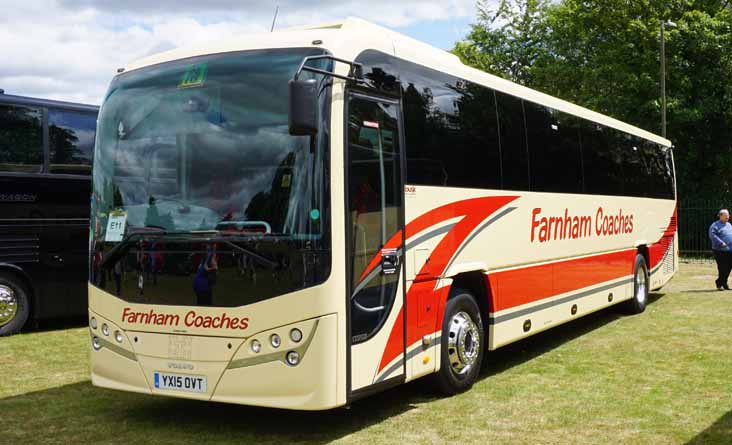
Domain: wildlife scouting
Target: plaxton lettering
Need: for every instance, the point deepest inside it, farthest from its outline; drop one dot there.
(191, 319)
(555, 228)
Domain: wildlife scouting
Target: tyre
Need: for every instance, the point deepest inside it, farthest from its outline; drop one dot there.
(637, 304)
(462, 344)
(14, 304)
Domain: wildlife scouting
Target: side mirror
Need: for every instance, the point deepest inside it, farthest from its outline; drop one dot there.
(303, 112)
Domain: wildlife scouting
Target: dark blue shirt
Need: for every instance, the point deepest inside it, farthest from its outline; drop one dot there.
(720, 234)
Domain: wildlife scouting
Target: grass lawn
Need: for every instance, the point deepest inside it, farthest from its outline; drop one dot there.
(662, 377)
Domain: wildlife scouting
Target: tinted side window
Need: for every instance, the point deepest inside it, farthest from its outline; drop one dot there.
(554, 153)
(449, 123)
(667, 154)
(661, 170)
(71, 137)
(514, 154)
(476, 161)
(636, 166)
(21, 139)
(602, 160)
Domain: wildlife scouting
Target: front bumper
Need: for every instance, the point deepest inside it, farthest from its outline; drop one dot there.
(234, 372)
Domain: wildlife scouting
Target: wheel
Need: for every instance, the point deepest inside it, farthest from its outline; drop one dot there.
(14, 305)
(637, 304)
(462, 344)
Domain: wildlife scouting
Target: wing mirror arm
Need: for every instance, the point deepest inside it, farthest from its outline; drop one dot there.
(303, 105)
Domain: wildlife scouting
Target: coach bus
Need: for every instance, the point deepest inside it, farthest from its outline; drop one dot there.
(46, 150)
(302, 218)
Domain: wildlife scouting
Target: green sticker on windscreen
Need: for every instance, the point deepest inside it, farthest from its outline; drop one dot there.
(194, 76)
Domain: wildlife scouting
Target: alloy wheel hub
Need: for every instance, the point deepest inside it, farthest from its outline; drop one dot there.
(640, 286)
(463, 344)
(8, 305)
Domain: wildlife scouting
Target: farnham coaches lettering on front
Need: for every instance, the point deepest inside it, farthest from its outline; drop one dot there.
(191, 319)
(550, 228)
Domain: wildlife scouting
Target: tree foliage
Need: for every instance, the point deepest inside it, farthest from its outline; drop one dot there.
(605, 55)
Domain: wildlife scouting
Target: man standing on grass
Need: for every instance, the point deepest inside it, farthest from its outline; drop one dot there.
(720, 233)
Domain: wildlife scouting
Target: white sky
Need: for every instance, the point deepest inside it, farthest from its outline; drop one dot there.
(70, 49)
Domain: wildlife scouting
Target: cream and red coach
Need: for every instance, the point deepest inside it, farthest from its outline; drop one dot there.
(301, 218)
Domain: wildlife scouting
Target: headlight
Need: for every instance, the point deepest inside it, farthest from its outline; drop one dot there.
(296, 335)
(293, 358)
(118, 336)
(96, 344)
(275, 340)
(256, 346)
(105, 329)
(93, 323)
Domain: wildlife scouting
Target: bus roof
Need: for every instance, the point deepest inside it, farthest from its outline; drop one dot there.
(348, 38)
(34, 101)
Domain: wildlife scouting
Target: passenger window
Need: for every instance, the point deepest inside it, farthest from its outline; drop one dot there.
(21, 139)
(602, 160)
(448, 121)
(71, 137)
(659, 160)
(636, 167)
(514, 154)
(554, 154)
(668, 163)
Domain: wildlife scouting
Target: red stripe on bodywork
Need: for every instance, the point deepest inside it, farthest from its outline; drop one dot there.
(506, 289)
(516, 287)
(474, 212)
(657, 251)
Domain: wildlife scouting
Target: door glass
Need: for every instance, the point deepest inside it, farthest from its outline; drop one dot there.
(375, 208)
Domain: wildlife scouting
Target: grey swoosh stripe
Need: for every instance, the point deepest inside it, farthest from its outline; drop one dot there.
(410, 355)
(430, 235)
(475, 233)
(371, 276)
(365, 281)
(549, 304)
(410, 245)
(655, 269)
(274, 356)
(119, 350)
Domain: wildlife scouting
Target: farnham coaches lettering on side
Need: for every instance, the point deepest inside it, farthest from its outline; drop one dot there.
(575, 227)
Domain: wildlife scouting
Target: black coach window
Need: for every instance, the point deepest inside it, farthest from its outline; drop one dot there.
(71, 137)
(554, 151)
(602, 160)
(514, 154)
(21, 139)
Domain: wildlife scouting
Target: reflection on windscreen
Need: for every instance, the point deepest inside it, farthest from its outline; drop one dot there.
(192, 150)
(202, 144)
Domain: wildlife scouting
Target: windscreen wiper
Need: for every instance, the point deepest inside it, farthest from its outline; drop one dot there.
(120, 249)
(124, 245)
(262, 259)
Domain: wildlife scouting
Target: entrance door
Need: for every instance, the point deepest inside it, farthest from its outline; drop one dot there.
(375, 237)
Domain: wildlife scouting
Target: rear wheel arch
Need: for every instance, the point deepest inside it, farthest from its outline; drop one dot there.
(643, 250)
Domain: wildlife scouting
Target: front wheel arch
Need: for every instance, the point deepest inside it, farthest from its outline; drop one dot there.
(463, 315)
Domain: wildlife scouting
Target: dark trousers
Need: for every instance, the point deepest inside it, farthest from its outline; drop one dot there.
(724, 266)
